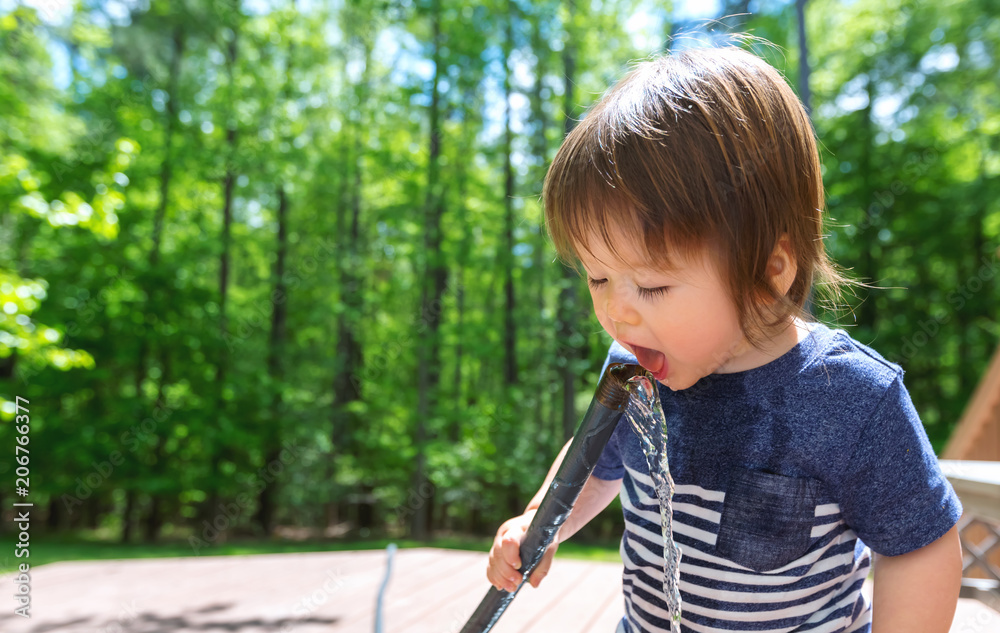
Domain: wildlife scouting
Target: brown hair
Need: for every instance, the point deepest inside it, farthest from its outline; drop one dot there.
(706, 147)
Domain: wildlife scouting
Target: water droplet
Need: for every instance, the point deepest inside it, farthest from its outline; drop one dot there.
(645, 414)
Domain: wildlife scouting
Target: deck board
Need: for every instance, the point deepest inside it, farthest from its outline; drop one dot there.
(430, 591)
(586, 595)
(413, 589)
(609, 614)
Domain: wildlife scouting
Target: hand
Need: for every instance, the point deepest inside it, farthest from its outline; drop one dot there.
(505, 556)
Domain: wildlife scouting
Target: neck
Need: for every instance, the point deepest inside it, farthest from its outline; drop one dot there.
(750, 357)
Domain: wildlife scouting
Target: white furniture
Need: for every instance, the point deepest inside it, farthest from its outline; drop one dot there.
(977, 484)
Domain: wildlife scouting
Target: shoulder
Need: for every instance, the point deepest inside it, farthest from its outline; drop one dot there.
(838, 364)
(853, 396)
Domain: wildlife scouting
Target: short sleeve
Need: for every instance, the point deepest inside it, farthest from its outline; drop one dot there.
(609, 466)
(892, 492)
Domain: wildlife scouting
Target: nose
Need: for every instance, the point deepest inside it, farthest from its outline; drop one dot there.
(620, 310)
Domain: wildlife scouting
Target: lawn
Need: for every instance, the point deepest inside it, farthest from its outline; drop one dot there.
(85, 546)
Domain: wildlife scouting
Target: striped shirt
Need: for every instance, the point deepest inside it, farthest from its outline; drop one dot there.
(786, 477)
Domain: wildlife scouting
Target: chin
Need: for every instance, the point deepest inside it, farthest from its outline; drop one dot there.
(676, 384)
(670, 384)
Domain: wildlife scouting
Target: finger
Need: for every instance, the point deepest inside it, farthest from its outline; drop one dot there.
(508, 526)
(511, 549)
(502, 531)
(496, 579)
(498, 540)
(536, 577)
(546, 560)
(542, 570)
(509, 577)
(514, 581)
(503, 576)
(508, 582)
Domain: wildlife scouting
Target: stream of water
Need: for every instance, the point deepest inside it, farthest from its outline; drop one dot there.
(645, 415)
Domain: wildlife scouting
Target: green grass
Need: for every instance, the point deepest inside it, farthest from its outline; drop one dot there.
(53, 548)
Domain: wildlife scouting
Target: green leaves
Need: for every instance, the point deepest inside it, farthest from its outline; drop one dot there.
(36, 345)
(332, 107)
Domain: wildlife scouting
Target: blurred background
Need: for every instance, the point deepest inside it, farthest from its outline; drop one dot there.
(273, 273)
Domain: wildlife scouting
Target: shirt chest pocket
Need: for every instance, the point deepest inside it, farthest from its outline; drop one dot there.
(766, 519)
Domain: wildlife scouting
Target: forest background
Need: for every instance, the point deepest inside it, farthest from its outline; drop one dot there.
(279, 267)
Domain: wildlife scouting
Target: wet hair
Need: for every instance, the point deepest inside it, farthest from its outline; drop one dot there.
(705, 148)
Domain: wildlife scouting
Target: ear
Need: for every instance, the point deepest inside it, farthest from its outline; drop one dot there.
(781, 266)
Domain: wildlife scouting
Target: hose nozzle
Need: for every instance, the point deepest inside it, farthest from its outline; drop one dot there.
(588, 443)
(612, 390)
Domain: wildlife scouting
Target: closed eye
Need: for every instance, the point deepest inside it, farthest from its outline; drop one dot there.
(645, 293)
(649, 293)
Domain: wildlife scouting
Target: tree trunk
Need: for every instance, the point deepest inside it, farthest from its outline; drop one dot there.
(228, 184)
(154, 519)
(264, 517)
(739, 11)
(350, 322)
(166, 169)
(275, 369)
(461, 403)
(153, 305)
(345, 383)
(567, 325)
(804, 93)
(432, 289)
(967, 377)
(222, 361)
(128, 525)
(166, 174)
(53, 520)
(508, 262)
(874, 213)
(540, 149)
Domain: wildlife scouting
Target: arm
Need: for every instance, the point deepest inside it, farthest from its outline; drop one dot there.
(505, 556)
(917, 592)
(594, 497)
(537, 499)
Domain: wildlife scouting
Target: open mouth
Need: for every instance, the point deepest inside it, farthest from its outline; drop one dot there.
(651, 359)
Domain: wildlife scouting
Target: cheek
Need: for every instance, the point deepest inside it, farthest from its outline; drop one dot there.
(605, 323)
(598, 311)
(594, 300)
(703, 322)
(718, 323)
(598, 302)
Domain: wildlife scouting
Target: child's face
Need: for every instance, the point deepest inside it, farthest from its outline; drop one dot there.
(682, 333)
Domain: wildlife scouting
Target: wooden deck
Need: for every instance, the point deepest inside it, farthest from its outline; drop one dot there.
(431, 590)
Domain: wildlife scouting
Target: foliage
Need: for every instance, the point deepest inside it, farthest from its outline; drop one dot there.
(166, 397)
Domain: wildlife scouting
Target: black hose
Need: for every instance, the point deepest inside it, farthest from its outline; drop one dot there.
(595, 430)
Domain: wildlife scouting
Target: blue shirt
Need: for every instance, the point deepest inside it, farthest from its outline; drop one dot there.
(786, 477)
